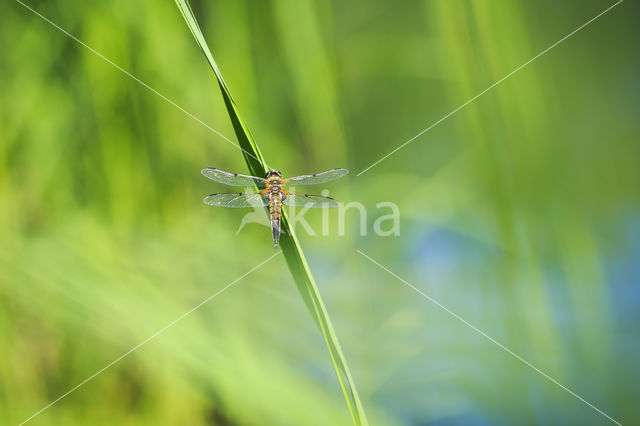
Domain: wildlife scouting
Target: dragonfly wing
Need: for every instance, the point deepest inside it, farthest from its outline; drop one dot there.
(233, 179)
(311, 201)
(237, 200)
(316, 178)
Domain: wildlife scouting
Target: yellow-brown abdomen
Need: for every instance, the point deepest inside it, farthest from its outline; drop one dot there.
(275, 206)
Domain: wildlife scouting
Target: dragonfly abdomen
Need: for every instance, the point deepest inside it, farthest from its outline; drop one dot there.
(275, 210)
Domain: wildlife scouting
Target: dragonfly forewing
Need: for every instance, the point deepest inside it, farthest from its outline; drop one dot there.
(317, 178)
(233, 179)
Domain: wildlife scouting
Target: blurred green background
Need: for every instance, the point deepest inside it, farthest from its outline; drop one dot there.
(521, 212)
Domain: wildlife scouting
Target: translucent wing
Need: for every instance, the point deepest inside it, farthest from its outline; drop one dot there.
(311, 201)
(321, 177)
(233, 179)
(237, 200)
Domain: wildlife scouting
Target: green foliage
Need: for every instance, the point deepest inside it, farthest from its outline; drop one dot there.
(288, 242)
(520, 212)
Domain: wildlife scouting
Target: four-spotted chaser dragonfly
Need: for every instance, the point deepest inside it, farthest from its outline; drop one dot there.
(271, 192)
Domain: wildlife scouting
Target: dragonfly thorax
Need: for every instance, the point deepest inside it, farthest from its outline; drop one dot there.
(274, 182)
(274, 186)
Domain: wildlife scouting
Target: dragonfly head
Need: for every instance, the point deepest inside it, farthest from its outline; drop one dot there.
(274, 172)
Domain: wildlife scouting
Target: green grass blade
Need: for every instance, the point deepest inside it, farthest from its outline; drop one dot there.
(288, 241)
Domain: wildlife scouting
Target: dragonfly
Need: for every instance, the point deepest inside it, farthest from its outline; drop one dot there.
(271, 193)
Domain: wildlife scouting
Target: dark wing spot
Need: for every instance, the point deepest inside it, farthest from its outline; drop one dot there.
(310, 196)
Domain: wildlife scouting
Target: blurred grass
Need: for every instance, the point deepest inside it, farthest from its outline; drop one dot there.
(289, 243)
(520, 212)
